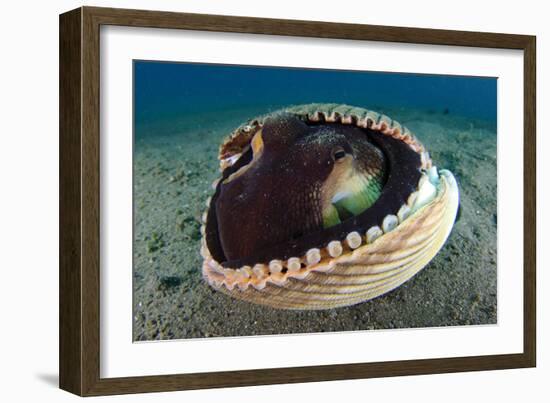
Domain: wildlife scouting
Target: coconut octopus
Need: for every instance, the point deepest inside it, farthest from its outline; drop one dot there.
(322, 206)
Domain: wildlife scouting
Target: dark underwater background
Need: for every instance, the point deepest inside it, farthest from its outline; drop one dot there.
(182, 111)
(170, 91)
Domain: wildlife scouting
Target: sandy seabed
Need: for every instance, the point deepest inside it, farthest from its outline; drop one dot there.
(173, 173)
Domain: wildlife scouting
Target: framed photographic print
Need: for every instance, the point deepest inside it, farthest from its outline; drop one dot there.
(250, 201)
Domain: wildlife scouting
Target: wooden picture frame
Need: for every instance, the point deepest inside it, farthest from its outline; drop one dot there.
(79, 279)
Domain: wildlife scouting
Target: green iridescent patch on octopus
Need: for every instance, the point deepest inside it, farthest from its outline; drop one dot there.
(352, 199)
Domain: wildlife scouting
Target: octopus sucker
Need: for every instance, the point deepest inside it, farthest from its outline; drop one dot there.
(321, 206)
(334, 248)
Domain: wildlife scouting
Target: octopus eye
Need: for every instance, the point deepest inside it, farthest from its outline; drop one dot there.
(338, 153)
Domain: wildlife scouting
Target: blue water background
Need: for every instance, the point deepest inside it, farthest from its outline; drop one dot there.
(165, 91)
